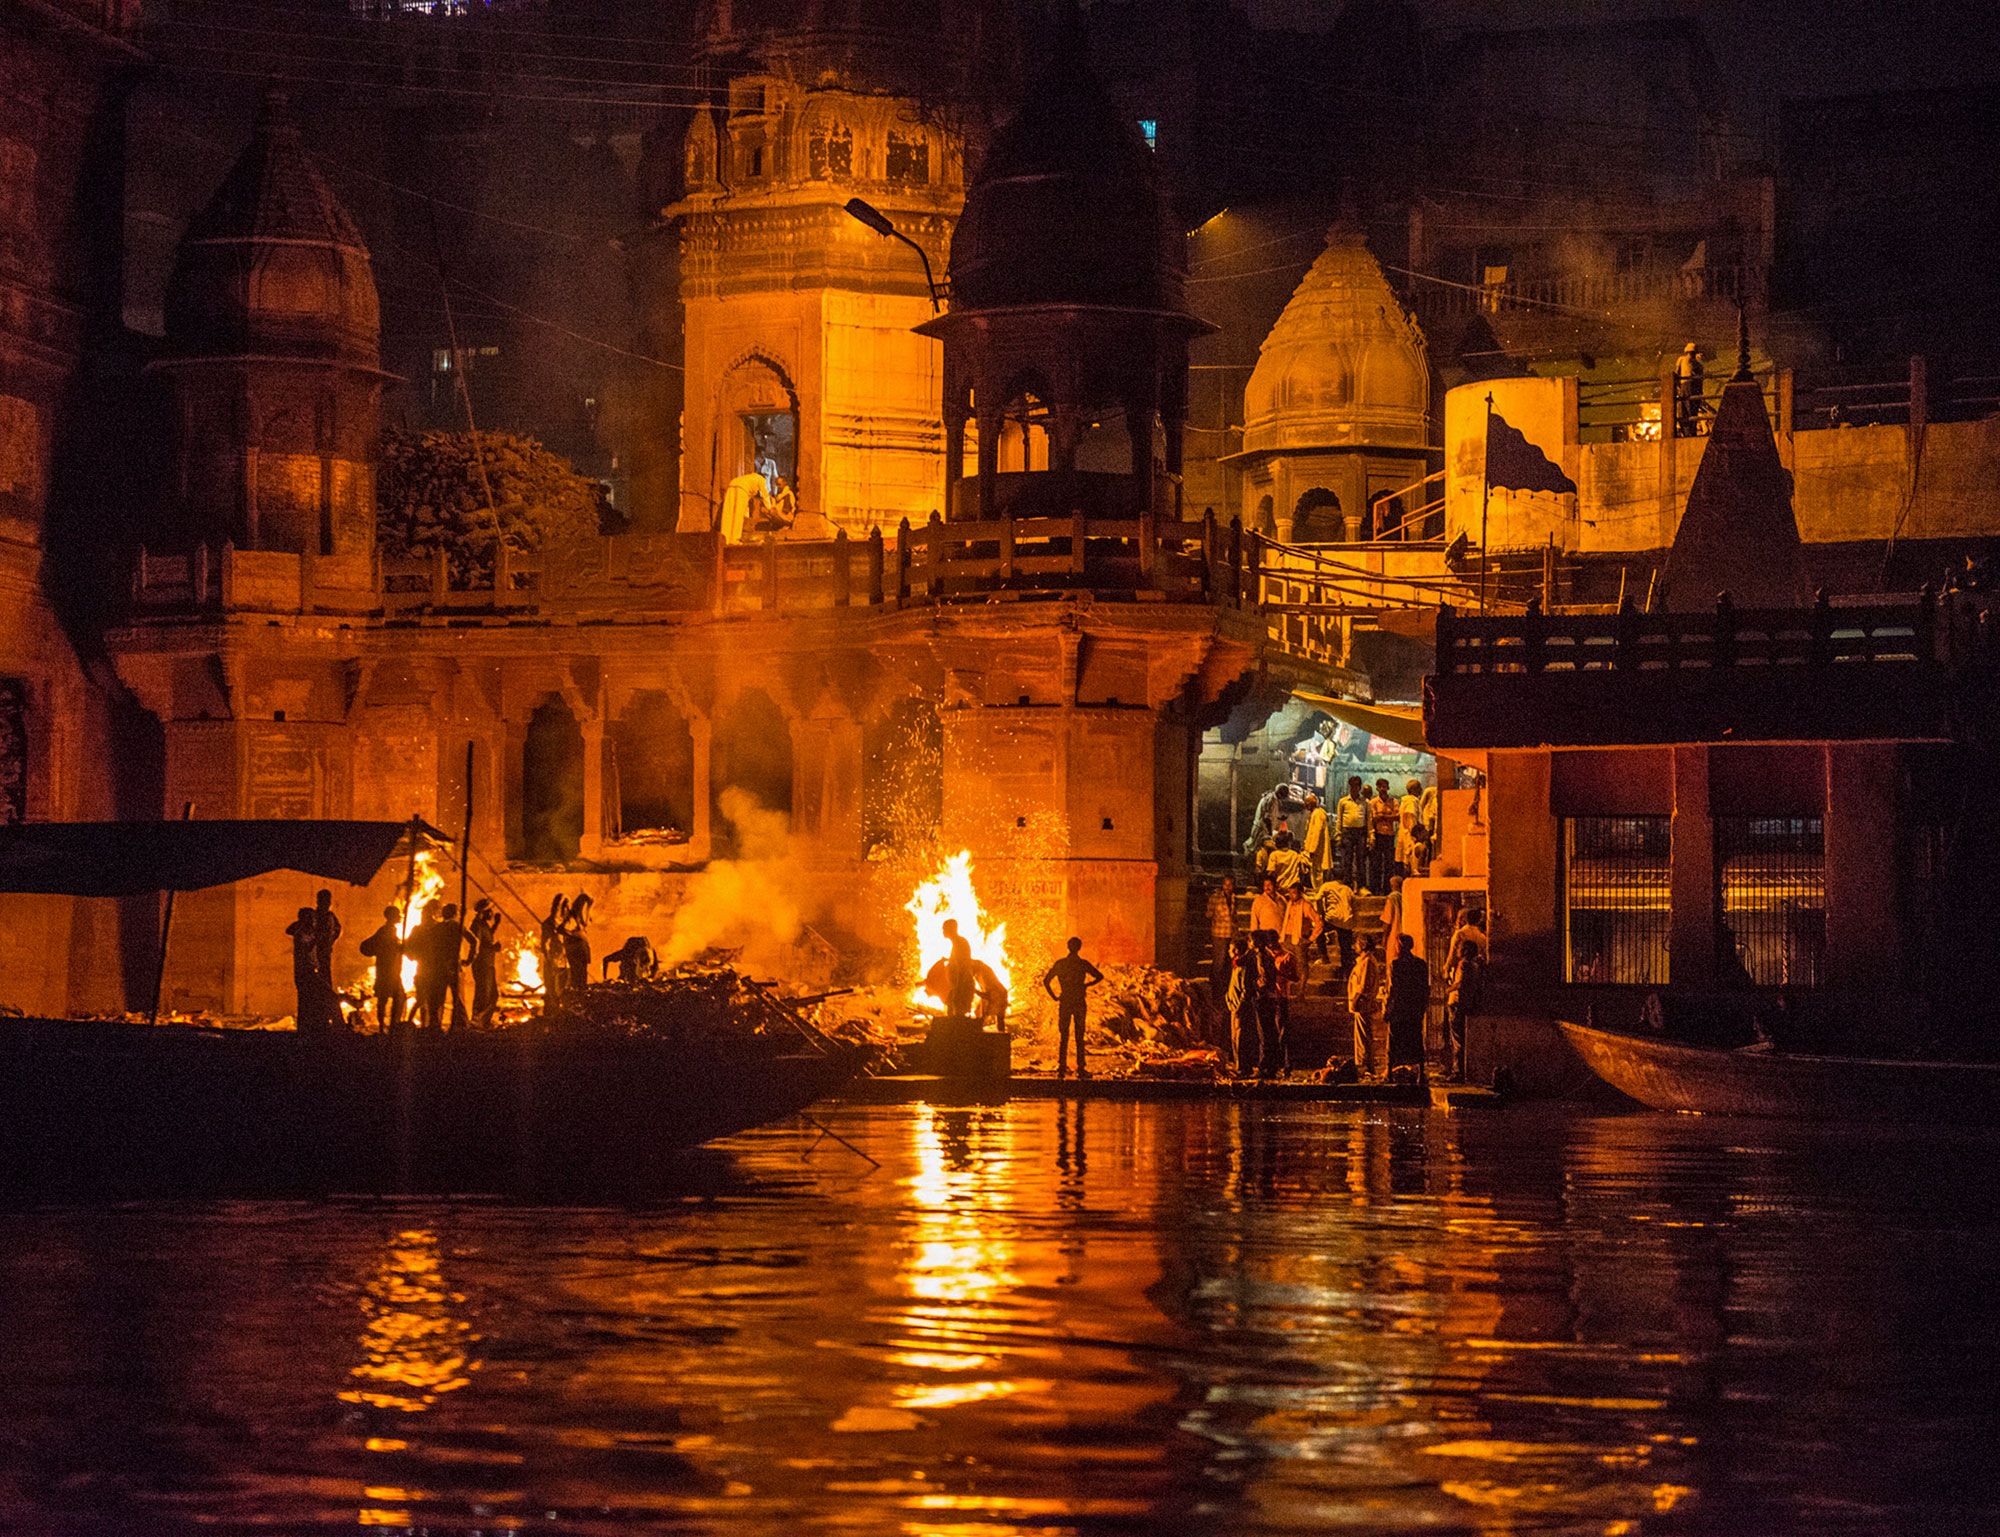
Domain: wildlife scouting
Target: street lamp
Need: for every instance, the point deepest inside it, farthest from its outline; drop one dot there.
(880, 222)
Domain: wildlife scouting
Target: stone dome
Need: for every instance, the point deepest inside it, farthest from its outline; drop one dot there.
(274, 266)
(1344, 366)
(1066, 207)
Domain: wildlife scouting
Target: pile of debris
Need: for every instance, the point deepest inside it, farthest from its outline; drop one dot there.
(1146, 1007)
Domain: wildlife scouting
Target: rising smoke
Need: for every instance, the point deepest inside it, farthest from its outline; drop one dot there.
(748, 903)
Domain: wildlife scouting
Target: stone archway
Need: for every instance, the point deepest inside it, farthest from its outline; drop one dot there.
(552, 785)
(1316, 518)
(650, 787)
(751, 754)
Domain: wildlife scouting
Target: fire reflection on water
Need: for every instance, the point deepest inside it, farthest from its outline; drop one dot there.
(415, 1349)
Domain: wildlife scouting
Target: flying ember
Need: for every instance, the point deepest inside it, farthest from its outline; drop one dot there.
(950, 894)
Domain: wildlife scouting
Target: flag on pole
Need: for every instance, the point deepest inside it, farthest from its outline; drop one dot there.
(1515, 464)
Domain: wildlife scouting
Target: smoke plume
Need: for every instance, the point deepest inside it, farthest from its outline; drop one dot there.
(748, 903)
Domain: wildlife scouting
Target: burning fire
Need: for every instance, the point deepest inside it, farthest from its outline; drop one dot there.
(427, 888)
(949, 894)
(527, 968)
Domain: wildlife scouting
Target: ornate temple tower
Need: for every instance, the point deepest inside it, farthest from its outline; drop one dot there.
(802, 357)
(1335, 417)
(1066, 346)
(274, 362)
(1070, 725)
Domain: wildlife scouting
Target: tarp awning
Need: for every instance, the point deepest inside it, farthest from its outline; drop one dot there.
(1399, 723)
(122, 859)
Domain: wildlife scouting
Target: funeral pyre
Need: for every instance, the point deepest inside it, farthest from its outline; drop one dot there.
(1142, 1019)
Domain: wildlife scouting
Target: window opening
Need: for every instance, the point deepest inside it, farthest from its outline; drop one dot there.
(13, 751)
(1616, 905)
(909, 160)
(1770, 877)
(830, 154)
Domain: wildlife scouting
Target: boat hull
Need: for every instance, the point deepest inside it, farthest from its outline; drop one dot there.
(470, 1111)
(1669, 1076)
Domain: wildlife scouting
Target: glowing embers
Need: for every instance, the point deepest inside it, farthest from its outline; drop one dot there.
(949, 895)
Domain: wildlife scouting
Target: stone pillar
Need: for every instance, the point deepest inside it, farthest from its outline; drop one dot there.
(1863, 936)
(989, 458)
(701, 835)
(1691, 877)
(826, 785)
(954, 458)
(591, 845)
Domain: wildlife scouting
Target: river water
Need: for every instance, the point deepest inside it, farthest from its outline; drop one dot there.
(1047, 1318)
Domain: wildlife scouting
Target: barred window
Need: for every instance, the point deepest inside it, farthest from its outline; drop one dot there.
(1770, 875)
(909, 160)
(830, 154)
(1616, 907)
(13, 751)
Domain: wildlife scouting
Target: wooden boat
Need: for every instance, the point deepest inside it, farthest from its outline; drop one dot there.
(1668, 1075)
(190, 1107)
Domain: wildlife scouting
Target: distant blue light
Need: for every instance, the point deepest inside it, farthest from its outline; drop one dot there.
(1150, 127)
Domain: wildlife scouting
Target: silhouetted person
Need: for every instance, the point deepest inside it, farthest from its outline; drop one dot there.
(959, 981)
(635, 960)
(1689, 382)
(1731, 974)
(1221, 935)
(1281, 978)
(485, 934)
(1350, 818)
(1246, 1047)
(438, 947)
(1364, 988)
(1465, 969)
(385, 948)
(993, 996)
(576, 941)
(313, 1014)
(1409, 1000)
(1384, 818)
(555, 952)
(1069, 981)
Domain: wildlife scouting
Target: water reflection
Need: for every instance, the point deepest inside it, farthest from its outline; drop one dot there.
(1048, 1318)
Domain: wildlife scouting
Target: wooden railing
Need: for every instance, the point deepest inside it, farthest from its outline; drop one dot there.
(1922, 631)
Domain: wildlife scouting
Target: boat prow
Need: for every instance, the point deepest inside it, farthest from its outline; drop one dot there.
(1668, 1075)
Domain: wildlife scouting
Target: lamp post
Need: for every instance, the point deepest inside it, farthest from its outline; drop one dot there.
(878, 221)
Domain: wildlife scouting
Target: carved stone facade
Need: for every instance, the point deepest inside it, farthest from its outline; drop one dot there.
(801, 355)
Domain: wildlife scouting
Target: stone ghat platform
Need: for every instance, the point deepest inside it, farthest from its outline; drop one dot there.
(906, 1088)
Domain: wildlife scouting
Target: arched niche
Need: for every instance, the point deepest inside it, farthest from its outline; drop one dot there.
(750, 752)
(1316, 517)
(1264, 520)
(757, 420)
(649, 786)
(1024, 426)
(551, 785)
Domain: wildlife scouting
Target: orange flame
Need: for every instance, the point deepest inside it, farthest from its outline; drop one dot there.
(429, 886)
(950, 894)
(527, 968)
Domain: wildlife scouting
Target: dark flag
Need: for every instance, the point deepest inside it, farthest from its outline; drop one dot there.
(1515, 464)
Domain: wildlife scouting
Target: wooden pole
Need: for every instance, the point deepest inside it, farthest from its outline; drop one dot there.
(166, 928)
(1485, 494)
(465, 838)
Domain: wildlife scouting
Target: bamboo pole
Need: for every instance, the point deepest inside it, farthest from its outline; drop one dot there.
(166, 929)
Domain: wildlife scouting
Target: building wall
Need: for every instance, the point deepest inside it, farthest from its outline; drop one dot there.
(60, 88)
(1850, 484)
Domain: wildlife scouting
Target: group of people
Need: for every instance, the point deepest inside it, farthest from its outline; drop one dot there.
(1365, 841)
(443, 947)
(565, 947)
